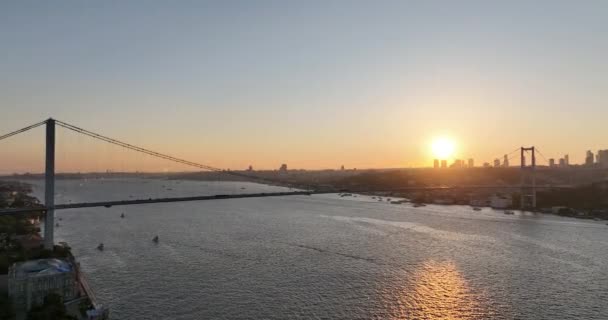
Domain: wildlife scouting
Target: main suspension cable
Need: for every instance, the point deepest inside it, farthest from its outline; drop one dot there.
(10, 134)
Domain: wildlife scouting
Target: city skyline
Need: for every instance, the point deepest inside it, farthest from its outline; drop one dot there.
(314, 86)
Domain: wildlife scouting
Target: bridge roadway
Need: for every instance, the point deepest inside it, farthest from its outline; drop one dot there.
(109, 204)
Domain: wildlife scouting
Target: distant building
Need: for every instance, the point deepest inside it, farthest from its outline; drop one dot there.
(562, 162)
(496, 163)
(342, 168)
(457, 164)
(486, 164)
(444, 164)
(552, 163)
(589, 158)
(436, 163)
(30, 281)
(602, 158)
(250, 168)
(500, 202)
(505, 161)
(283, 168)
(471, 163)
(567, 160)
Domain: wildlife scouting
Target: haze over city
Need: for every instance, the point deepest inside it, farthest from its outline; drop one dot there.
(312, 84)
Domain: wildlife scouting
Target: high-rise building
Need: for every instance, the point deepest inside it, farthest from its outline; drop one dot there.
(602, 158)
(342, 168)
(567, 160)
(471, 163)
(552, 163)
(505, 161)
(436, 163)
(457, 164)
(496, 163)
(562, 162)
(444, 164)
(589, 158)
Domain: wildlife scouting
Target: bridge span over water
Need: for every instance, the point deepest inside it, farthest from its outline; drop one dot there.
(49, 207)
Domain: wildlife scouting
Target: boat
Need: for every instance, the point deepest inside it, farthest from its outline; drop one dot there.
(122, 215)
(416, 205)
(509, 212)
(56, 224)
(100, 247)
(155, 239)
(477, 208)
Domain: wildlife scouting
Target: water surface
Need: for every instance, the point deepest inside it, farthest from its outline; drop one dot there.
(326, 257)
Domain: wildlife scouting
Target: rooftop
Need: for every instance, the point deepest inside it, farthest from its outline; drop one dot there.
(41, 267)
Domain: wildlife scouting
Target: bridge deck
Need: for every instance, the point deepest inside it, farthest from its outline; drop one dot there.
(108, 204)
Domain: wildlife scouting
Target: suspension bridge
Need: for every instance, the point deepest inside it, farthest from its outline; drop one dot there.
(528, 185)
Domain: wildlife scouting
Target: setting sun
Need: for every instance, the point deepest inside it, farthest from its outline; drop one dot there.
(443, 148)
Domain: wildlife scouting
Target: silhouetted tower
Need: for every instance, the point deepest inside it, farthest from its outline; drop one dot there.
(49, 182)
(528, 175)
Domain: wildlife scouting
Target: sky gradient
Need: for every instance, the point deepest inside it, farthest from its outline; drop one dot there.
(314, 84)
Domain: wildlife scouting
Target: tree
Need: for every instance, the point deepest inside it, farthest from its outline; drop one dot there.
(6, 308)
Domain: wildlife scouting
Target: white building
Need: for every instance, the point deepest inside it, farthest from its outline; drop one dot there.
(30, 281)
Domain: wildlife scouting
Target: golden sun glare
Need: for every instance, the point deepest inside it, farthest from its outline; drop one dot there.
(443, 148)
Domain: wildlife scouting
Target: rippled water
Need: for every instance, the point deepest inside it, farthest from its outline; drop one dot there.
(328, 257)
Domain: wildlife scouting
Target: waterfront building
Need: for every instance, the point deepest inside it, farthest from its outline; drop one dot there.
(436, 163)
(486, 164)
(30, 281)
(496, 163)
(562, 162)
(567, 160)
(444, 164)
(552, 163)
(283, 168)
(500, 202)
(505, 161)
(471, 163)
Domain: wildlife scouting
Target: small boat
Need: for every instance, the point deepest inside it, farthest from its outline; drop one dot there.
(56, 224)
(122, 215)
(60, 219)
(155, 239)
(477, 208)
(509, 212)
(100, 247)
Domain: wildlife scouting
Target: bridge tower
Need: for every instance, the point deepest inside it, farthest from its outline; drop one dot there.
(49, 185)
(528, 179)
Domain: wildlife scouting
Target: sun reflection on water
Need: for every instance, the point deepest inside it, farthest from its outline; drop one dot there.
(438, 291)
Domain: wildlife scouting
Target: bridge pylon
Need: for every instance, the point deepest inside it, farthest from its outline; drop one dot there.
(528, 177)
(49, 185)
